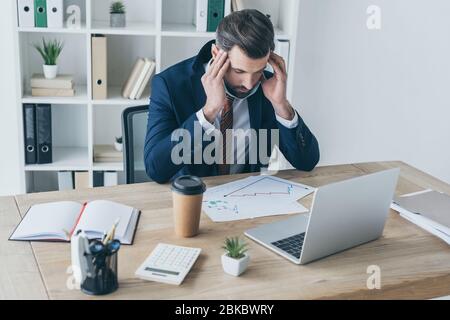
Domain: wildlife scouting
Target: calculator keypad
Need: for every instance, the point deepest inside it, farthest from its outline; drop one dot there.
(168, 263)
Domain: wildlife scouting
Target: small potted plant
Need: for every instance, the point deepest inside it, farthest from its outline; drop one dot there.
(118, 144)
(117, 15)
(235, 259)
(50, 52)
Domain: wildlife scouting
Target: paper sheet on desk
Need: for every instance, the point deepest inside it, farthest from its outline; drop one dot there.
(254, 197)
(429, 204)
(439, 230)
(422, 223)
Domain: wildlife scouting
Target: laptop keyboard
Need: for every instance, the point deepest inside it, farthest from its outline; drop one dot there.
(292, 245)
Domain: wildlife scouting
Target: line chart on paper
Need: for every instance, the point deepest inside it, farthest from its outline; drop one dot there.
(265, 186)
(252, 197)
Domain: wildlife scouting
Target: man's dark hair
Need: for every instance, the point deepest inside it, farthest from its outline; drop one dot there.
(248, 29)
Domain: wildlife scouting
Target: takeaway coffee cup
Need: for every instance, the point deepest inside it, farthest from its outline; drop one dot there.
(187, 193)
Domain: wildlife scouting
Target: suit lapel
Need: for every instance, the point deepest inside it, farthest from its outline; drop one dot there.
(198, 70)
(198, 91)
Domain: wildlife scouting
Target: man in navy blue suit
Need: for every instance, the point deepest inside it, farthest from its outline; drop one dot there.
(197, 105)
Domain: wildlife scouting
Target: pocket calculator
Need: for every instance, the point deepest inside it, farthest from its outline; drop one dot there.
(168, 264)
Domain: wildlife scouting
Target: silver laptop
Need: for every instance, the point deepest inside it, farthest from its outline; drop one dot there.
(343, 215)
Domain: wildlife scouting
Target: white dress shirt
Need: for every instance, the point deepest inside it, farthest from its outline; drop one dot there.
(241, 120)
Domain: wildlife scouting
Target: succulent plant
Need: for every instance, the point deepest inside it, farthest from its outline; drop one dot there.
(235, 248)
(117, 7)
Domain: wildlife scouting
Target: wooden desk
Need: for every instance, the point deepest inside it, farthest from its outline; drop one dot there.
(414, 264)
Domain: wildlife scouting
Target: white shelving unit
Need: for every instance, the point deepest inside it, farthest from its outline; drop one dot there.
(162, 30)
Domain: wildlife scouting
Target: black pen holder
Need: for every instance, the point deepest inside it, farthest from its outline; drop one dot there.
(102, 279)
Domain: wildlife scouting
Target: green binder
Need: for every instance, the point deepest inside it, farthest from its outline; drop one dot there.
(40, 13)
(216, 12)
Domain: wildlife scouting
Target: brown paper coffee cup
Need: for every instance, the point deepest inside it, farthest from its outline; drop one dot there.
(187, 194)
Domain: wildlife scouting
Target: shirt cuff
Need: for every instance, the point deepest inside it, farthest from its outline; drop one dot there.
(206, 125)
(290, 124)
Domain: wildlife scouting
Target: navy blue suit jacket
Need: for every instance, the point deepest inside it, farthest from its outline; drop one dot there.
(177, 94)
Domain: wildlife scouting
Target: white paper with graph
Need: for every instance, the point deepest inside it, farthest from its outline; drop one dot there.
(254, 197)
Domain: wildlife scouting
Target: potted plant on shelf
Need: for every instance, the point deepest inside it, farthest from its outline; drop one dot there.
(50, 52)
(118, 144)
(117, 15)
(235, 260)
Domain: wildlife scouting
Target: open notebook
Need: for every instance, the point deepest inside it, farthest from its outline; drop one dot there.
(57, 221)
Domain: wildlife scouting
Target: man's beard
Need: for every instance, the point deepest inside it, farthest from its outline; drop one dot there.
(240, 95)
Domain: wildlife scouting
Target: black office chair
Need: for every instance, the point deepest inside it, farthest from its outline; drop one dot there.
(134, 127)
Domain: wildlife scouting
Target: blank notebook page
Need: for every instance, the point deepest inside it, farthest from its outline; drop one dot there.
(98, 216)
(49, 219)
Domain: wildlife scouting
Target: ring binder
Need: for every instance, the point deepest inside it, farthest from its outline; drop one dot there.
(99, 67)
(44, 133)
(55, 13)
(25, 10)
(40, 13)
(216, 10)
(29, 115)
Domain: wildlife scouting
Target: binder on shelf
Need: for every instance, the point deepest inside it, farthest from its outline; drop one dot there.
(99, 67)
(282, 48)
(55, 13)
(202, 15)
(29, 125)
(216, 12)
(110, 178)
(228, 8)
(81, 180)
(98, 179)
(25, 13)
(65, 180)
(237, 5)
(44, 133)
(40, 13)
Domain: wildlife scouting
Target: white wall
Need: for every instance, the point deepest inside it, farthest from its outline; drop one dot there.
(10, 154)
(377, 95)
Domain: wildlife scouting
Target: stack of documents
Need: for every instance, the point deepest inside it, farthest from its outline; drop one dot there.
(254, 197)
(428, 209)
(61, 86)
(107, 153)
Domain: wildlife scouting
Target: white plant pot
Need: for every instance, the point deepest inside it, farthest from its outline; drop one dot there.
(235, 267)
(50, 72)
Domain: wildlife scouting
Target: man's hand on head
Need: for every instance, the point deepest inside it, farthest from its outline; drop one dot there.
(213, 83)
(275, 88)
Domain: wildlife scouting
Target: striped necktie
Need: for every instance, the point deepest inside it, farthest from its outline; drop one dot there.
(226, 123)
